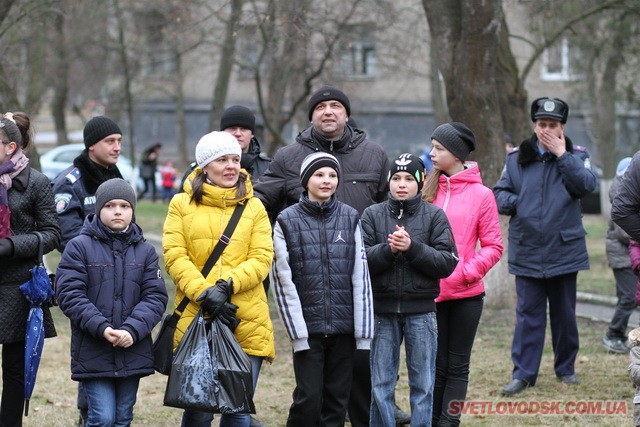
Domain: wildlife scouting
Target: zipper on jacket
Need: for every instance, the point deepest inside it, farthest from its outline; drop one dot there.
(325, 271)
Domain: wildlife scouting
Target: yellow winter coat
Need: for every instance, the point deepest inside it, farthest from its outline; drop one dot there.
(190, 233)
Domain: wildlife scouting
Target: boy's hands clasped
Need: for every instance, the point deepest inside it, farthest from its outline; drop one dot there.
(118, 337)
(399, 240)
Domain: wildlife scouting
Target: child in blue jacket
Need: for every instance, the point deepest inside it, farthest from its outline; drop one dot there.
(111, 289)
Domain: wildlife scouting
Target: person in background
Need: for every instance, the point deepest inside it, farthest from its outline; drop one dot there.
(74, 190)
(169, 175)
(110, 287)
(455, 185)
(148, 167)
(410, 248)
(240, 122)
(26, 205)
(324, 301)
(634, 372)
(195, 223)
(364, 166)
(617, 249)
(540, 188)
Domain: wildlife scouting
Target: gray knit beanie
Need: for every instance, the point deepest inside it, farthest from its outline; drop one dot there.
(115, 188)
(455, 137)
(98, 128)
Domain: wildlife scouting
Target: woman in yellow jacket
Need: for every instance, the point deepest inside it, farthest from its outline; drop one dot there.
(195, 221)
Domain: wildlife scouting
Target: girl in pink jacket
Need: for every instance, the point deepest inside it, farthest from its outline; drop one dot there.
(456, 186)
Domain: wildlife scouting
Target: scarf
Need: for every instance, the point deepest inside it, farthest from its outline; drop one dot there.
(92, 173)
(8, 171)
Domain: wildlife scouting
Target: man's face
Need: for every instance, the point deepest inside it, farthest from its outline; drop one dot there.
(554, 127)
(243, 135)
(106, 151)
(329, 119)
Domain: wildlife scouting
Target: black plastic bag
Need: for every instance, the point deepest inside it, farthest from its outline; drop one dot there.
(232, 371)
(191, 383)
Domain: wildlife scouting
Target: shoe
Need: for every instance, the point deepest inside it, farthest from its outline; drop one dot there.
(401, 417)
(615, 345)
(256, 423)
(515, 386)
(569, 379)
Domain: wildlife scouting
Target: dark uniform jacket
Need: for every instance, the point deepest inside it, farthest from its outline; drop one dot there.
(541, 193)
(74, 192)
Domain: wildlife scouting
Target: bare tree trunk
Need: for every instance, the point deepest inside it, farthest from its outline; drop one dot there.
(475, 61)
(127, 77)
(438, 95)
(181, 127)
(61, 76)
(227, 59)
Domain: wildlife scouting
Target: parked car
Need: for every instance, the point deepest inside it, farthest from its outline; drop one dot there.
(61, 157)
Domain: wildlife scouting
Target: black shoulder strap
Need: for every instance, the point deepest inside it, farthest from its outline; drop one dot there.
(217, 250)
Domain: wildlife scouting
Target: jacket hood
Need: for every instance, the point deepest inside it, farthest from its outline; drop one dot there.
(470, 175)
(95, 228)
(528, 150)
(350, 139)
(218, 196)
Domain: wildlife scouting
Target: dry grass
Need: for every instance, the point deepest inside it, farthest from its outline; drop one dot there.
(603, 375)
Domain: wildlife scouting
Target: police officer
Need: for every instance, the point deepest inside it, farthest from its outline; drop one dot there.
(540, 188)
(74, 188)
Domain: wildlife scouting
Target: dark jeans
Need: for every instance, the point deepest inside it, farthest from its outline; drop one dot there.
(626, 283)
(149, 183)
(12, 404)
(457, 325)
(531, 323)
(323, 381)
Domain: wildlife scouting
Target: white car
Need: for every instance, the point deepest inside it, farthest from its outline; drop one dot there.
(61, 157)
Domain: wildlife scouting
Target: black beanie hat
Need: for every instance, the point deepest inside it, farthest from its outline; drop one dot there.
(555, 109)
(115, 188)
(315, 161)
(238, 115)
(455, 137)
(328, 93)
(411, 164)
(99, 128)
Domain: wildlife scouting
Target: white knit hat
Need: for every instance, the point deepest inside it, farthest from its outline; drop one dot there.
(214, 145)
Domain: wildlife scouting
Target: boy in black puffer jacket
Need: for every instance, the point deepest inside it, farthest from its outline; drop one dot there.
(111, 289)
(410, 247)
(322, 289)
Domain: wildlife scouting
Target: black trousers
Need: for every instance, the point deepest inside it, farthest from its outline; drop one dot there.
(12, 404)
(323, 381)
(457, 325)
(360, 397)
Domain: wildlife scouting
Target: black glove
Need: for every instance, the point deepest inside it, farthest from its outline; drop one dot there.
(214, 297)
(228, 316)
(6, 248)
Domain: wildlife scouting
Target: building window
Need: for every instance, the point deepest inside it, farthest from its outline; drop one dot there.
(561, 62)
(249, 43)
(358, 54)
(161, 60)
